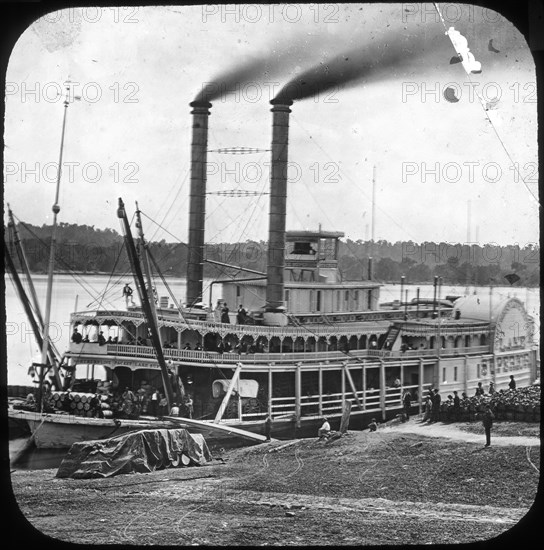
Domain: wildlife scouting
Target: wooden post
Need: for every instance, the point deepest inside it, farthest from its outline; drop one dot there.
(297, 395)
(466, 374)
(353, 389)
(364, 385)
(420, 385)
(225, 401)
(343, 382)
(239, 400)
(346, 411)
(270, 391)
(320, 389)
(382, 388)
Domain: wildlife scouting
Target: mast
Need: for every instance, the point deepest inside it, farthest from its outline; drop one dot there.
(146, 306)
(469, 246)
(56, 210)
(23, 297)
(147, 270)
(373, 222)
(373, 205)
(24, 264)
(37, 318)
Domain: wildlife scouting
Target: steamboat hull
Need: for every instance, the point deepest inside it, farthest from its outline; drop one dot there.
(58, 431)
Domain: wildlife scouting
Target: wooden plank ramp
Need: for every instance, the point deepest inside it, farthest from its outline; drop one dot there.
(218, 429)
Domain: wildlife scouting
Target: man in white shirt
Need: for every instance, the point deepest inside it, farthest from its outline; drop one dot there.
(325, 431)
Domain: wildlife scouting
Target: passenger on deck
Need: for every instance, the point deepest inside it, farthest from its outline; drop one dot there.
(76, 337)
(225, 314)
(187, 346)
(154, 403)
(198, 346)
(129, 402)
(163, 405)
(86, 339)
(241, 316)
(127, 293)
(217, 312)
(101, 339)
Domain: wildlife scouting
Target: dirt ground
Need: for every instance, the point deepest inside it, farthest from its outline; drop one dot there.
(404, 484)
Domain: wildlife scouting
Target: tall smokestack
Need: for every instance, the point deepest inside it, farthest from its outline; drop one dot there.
(197, 201)
(274, 314)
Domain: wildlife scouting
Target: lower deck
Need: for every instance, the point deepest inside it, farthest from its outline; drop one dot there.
(247, 391)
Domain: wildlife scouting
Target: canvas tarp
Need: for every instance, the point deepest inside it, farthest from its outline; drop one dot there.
(136, 452)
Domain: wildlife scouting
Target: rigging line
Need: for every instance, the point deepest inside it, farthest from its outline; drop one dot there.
(237, 187)
(170, 250)
(162, 227)
(124, 274)
(121, 276)
(256, 203)
(352, 182)
(249, 220)
(180, 312)
(173, 201)
(486, 113)
(60, 260)
(103, 296)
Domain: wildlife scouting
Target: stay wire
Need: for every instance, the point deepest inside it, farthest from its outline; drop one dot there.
(486, 114)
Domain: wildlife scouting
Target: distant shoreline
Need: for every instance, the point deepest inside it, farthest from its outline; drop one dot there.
(105, 273)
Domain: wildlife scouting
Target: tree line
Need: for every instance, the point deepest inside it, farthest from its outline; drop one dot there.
(87, 249)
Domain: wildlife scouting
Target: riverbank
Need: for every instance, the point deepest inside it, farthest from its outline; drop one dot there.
(387, 487)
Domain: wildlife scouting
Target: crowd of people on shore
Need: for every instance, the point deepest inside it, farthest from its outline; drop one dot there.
(503, 403)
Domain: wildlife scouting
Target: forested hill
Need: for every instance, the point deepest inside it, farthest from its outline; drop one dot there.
(83, 248)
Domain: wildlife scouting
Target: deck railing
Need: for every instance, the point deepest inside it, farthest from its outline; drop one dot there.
(331, 403)
(135, 351)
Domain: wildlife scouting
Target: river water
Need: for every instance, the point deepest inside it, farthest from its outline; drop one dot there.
(83, 292)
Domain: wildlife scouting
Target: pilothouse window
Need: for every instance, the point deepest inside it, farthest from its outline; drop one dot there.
(303, 248)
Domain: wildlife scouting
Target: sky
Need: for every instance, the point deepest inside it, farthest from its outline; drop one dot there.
(412, 115)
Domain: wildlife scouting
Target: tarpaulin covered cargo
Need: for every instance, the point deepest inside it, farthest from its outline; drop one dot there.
(142, 451)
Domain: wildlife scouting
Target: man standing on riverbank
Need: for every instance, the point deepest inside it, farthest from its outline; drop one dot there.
(407, 403)
(435, 411)
(488, 423)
